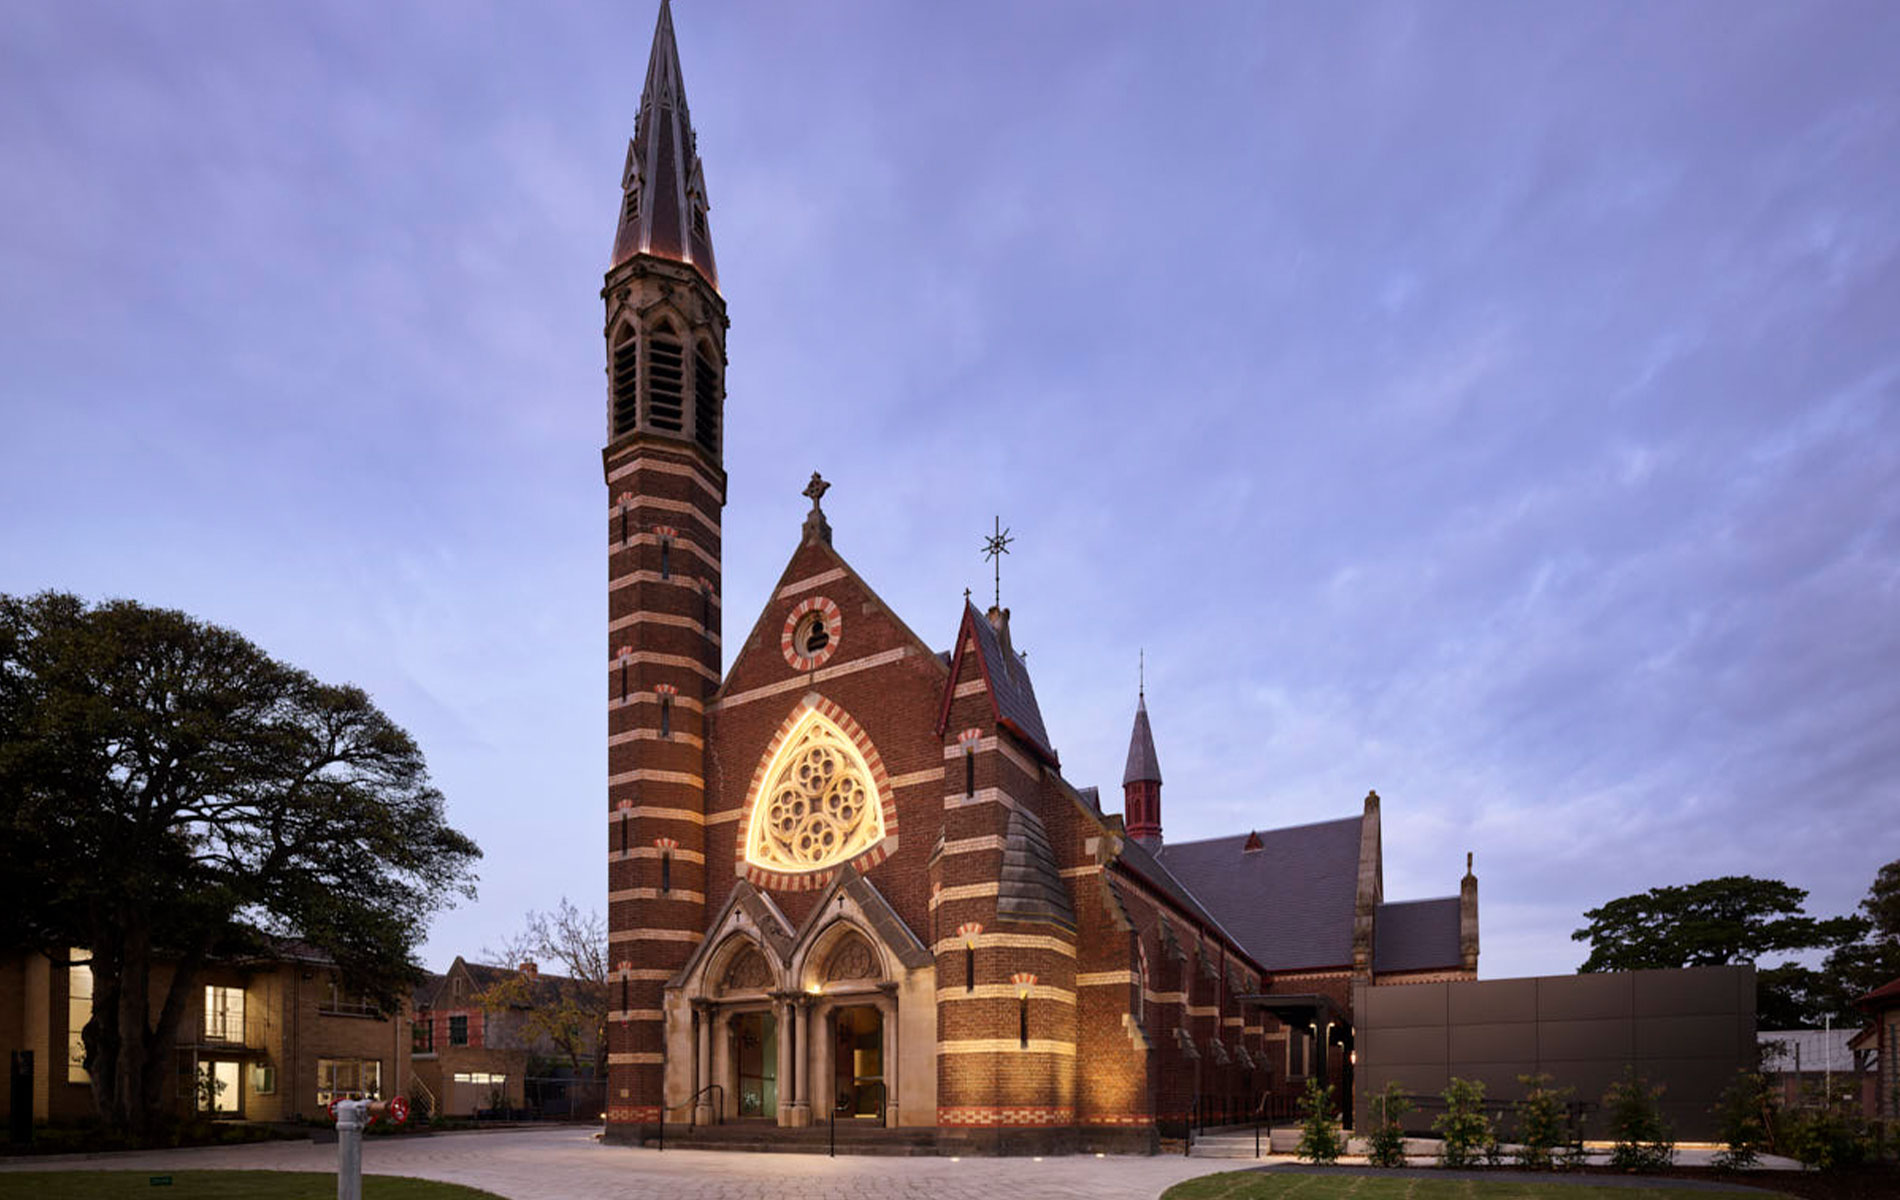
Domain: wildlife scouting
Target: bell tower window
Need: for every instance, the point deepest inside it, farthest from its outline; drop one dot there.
(624, 373)
(705, 400)
(666, 379)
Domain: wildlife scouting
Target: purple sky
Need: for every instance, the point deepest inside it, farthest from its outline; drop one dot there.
(1494, 404)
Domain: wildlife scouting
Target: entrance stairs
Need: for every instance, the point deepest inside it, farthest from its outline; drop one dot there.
(1237, 1141)
(852, 1137)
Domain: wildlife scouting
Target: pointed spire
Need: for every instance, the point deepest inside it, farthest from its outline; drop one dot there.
(1142, 767)
(663, 190)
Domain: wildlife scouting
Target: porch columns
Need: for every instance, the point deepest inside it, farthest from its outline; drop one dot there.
(888, 1007)
(787, 1054)
(702, 1068)
(801, 1063)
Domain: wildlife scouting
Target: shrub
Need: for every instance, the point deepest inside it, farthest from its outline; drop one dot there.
(1543, 1125)
(1828, 1131)
(1463, 1125)
(1319, 1127)
(1746, 1115)
(1641, 1138)
(1385, 1144)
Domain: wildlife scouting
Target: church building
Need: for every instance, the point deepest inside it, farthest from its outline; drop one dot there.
(848, 879)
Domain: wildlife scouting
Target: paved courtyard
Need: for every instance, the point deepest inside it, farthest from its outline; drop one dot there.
(543, 1164)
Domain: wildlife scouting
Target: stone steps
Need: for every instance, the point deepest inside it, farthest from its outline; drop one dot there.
(851, 1138)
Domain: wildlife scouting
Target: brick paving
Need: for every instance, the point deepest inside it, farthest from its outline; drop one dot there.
(556, 1164)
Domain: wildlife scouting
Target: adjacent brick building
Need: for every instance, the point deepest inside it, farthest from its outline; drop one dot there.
(847, 874)
(475, 1042)
(270, 1038)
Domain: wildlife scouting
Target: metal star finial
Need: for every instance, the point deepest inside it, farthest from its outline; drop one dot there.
(994, 547)
(816, 489)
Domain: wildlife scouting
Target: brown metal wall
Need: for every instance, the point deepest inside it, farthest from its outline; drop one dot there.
(1690, 1030)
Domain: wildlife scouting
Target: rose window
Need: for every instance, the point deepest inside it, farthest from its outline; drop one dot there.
(818, 805)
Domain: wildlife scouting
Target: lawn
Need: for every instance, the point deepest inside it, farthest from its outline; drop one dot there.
(221, 1185)
(1246, 1185)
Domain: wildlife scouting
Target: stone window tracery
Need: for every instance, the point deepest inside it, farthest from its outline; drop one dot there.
(818, 805)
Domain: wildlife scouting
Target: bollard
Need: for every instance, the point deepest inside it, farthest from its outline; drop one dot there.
(351, 1116)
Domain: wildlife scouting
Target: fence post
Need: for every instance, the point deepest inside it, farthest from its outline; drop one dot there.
(349, 1149)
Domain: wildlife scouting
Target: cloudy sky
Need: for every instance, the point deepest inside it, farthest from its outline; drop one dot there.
(1494, 404)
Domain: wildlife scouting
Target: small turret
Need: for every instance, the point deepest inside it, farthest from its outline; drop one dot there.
(1141, 779)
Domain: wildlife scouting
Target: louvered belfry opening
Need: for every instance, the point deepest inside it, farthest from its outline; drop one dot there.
(705, 400)
(626, 382)
(666, 380)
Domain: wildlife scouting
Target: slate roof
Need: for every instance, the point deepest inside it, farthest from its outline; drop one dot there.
(1144, 863)
(1011, 693)
(1289, 904)
(1142, 766)
(1417, 935)
(1031, 888)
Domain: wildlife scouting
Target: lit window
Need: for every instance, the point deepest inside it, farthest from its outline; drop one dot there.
(78, 1012)
(224, 1014)
(348, 1079)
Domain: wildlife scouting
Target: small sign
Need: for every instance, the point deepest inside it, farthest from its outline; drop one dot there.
(161, 1181)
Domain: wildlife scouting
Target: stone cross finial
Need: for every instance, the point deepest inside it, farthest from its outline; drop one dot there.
(816, 489)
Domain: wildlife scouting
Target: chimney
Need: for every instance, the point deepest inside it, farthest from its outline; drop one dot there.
(530, 968)
(1468, 917)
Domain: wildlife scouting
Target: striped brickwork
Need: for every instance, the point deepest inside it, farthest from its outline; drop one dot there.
(664, 497)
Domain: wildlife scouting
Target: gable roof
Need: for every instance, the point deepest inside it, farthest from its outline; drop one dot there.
(1006, 678)
(1290, 903)
(1417, 935)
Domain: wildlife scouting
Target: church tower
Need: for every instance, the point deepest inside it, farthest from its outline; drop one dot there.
(666, 485)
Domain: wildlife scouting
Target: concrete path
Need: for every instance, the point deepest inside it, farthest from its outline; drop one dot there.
(546, 1164)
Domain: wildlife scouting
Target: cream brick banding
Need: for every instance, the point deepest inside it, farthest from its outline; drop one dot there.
(656, 935)
(636, 1014)
(666, 660)
(809, 582)
(1006, 941)
(806, 682)
(974, 845)
(645, 617)
(1006, 991)
(1075, 872)
(650, 775)
(1007, 1046)
(978, 746)
(676, 579)
(664, 467)
(970, 687)
(654, 735)
(690, 545)
(691, 856)
(1104, 978)
(720, 818)
(684, 702)
(647, 893)
(988, 795)
(653, 812)
(917, 778)
(634, 1059)
(965, 891)
(677, 506)
(1033, 770)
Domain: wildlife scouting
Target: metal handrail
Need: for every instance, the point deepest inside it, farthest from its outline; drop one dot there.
(718, 1107)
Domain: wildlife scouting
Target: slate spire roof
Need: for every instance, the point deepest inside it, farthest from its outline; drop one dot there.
(663, 189)
(1143, 766)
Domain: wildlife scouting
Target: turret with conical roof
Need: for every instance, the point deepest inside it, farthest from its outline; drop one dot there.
(1141, 779)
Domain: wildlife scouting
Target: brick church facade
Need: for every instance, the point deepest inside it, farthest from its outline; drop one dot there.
(847, 876)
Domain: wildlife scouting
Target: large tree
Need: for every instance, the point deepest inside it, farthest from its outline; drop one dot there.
(1859, 967)
(1734, 920)
(568, 1008)
(169, 793)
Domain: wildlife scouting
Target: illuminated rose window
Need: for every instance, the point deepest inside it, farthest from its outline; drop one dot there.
(817, 803)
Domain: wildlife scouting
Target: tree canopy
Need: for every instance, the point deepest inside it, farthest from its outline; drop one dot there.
(1730, 921)
(170, 793)
(565, 1010)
